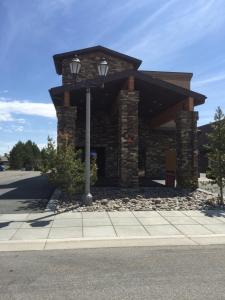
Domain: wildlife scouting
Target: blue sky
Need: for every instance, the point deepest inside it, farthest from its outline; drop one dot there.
(168, 35)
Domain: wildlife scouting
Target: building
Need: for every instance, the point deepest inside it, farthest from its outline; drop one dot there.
(4, 162)
(143, 123)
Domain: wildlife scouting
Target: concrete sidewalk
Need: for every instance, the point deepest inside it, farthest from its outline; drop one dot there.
(39, 231)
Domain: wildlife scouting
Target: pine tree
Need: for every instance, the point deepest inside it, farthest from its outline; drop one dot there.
(25, 155)
(65, 168)
(216, 152)
(16, 156)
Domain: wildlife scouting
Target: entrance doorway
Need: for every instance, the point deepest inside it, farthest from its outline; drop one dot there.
(97, 153)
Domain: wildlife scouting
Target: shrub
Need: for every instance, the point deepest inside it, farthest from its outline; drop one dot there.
(65, 168)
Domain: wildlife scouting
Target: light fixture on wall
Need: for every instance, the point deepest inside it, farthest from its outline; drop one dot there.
(75, 66)
(103, 67)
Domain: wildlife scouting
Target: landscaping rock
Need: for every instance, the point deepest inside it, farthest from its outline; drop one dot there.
(152, 198)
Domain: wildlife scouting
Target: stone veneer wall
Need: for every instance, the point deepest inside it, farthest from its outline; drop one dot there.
(128, 137)
(187, 149)
(157, 145)
(103, 134)
(66, 128)
(153, 145)
(89, 69)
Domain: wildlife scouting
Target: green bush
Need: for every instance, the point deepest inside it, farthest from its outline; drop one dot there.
(65, 168)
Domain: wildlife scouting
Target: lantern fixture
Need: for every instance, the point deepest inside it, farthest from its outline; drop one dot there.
(75, 66)
(103, 67)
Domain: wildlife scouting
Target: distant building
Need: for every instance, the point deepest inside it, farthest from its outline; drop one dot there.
(4, 161)
(143, 123)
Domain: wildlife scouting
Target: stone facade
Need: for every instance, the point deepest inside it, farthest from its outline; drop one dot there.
(89, 67)
(157, 143)
(187, 149)
(128, 137)
(103, 126)
(66, 125)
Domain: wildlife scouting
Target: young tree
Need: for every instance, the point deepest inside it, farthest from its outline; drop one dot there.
(65, 168)
(216, 152)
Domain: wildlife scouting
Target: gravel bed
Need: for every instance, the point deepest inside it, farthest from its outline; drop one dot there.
(207, 185)
(152, 198)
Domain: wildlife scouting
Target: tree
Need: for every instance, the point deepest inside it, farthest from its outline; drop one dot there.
(16, 156)
(216, 152)
(32, 156)
(25, 155)
(65, 168)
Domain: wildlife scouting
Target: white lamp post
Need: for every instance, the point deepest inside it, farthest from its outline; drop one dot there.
(103, 67)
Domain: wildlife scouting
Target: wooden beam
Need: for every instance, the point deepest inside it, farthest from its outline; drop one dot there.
(189, 104)
(66, 99)
(166, 115)
(170, 113)
(130, 84)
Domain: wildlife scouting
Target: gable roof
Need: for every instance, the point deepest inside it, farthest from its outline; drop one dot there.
(147, 79)
(58, 58)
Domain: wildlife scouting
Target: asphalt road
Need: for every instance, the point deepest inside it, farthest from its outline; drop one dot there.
(124, 273)
(23, 191)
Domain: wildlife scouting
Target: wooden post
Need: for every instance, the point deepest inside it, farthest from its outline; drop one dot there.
(66, 101)
(189, 104)
(130, 84)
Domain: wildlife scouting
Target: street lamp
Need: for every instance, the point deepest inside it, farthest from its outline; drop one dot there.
(103, 68)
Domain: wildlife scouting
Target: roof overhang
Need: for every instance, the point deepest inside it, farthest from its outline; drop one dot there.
(58, 58)
(146, 84)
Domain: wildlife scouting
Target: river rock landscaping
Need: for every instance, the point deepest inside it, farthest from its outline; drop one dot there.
(151, 198)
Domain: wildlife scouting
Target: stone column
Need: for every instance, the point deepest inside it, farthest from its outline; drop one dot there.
(128, 138)
(66, 125)
(187, 149)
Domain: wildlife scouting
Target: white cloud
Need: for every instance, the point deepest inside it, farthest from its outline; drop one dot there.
(21, 121)
(209, 80)
(4, 92)
(171, 28)
(9, 107)
(5, 116)
(145, 23)
(18, 128)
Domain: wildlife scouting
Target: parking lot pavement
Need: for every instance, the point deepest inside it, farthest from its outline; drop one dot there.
(23, 192)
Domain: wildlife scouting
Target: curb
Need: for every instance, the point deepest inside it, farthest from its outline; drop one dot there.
(53, 202)
(115, 242)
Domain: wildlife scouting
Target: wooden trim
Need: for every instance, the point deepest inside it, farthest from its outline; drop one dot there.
(66, 99)
(189, 104)
(170, 113)
(130, 84)
(166, 115)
